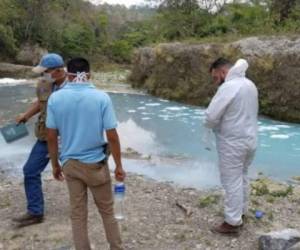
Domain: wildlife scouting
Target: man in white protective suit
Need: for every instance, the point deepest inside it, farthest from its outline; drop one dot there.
(232, 115)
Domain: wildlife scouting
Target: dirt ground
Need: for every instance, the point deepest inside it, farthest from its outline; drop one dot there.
(159, 216)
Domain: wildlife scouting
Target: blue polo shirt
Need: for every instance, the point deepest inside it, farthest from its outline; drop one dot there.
(81, 113)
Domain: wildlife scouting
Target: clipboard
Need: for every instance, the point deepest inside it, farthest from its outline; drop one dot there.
(13, 132)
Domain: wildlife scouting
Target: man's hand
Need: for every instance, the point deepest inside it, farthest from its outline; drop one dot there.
(21, 119)
(53, 152)
(57, 172)
(115, 148)
(120, 174)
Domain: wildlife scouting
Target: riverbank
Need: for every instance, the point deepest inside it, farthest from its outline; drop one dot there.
(155, 217)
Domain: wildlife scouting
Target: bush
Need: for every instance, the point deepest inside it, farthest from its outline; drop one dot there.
(120, 51)
(7, 41)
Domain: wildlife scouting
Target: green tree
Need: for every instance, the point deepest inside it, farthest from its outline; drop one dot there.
(282, 9)
(181, 19)
(78, 40)
(7, 41)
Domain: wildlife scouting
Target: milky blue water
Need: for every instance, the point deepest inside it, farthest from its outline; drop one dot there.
(174, 132)
(169, 136)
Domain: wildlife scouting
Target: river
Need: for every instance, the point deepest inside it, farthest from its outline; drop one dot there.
(168, 137)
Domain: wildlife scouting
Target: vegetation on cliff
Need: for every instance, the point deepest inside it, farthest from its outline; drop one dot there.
(76, 27)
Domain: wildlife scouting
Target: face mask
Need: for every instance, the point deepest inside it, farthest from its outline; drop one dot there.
(48, 77)
(80, 77)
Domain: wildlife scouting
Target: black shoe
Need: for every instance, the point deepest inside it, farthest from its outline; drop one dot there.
(28, 219)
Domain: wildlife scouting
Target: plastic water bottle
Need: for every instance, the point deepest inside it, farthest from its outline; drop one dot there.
(119, 200)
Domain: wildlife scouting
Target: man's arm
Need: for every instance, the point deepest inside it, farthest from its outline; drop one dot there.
(52, 140)
(218, 105)
(32, 110)
(115, 148)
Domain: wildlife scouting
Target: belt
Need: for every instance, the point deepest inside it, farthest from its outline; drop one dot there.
(103, 161)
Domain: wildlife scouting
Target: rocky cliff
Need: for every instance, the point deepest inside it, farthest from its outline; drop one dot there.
(179, 71)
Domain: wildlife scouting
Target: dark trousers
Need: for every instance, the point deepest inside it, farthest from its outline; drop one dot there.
(35, 165)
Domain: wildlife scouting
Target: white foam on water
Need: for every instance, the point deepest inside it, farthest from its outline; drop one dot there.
(153, 104)
(146, 113)
(265, 145)
(131, 111)
(146, 118)
(163, 100)
(278, 136)
(141, 108)
(267, 128)
(175, 108)
(282, 126)
(12, 82)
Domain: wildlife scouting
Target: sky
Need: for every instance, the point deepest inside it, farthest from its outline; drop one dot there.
(129, 3)
(124, 2)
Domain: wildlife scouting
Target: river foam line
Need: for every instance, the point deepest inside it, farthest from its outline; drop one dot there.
(12, 82)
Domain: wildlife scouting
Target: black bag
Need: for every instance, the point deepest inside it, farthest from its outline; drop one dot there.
(106, 151)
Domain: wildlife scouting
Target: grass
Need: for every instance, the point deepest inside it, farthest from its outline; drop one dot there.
(263, 187)
(208, 200)
(283, 193)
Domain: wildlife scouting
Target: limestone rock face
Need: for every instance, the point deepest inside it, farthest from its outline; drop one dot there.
(30, 54)
(180, 71)
(282, 240)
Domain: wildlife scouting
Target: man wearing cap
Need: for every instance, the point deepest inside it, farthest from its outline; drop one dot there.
(87, 115)
(51, 67)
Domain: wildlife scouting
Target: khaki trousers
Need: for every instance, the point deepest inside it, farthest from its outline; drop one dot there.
(96, 177)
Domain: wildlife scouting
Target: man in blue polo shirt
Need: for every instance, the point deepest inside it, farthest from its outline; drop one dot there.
(80, 114)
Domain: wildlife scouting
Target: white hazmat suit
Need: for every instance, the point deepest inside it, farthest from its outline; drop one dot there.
(232, 114)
